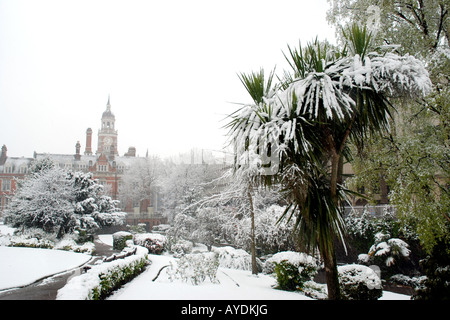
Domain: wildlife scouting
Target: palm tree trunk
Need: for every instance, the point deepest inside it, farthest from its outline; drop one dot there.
(329, 254)
(335, 159)
(252, 235)
(331, 273)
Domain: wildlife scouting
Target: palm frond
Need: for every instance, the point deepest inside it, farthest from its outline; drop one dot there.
(359, 40)
(257, 86)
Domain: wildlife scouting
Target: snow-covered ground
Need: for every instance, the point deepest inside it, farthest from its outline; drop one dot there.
(23, 266)
(233, 285)
(106, 239)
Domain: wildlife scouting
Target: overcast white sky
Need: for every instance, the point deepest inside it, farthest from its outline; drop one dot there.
(170, 67)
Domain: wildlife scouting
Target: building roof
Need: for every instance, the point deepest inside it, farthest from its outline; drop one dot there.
(15, 163)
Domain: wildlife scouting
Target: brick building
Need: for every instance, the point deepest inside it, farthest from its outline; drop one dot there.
(105, 164)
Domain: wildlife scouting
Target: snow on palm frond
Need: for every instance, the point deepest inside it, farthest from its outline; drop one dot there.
(388, 73)
(400, 75)
(318, 90)
(385, 73)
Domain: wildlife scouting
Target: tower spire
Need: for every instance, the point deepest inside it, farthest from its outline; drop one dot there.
(108, 105)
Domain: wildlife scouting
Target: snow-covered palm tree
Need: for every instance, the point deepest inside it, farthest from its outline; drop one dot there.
(331, 97)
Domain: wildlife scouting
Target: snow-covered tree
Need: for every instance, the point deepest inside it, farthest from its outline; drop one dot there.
(61, 202)
(332, 97)
(44, 200)
(184, 185)
(141, 180)
(93, 209)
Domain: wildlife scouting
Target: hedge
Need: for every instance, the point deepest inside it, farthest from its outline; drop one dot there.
(99, 281)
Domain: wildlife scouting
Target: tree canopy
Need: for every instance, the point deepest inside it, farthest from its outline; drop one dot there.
(61, 202)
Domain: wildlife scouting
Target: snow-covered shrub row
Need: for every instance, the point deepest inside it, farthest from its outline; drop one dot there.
(101, 280)
(358, 282)
(70, 245)
(36, 238)
(232, 258)
(195, 267)
(18, 241)
(154, 242)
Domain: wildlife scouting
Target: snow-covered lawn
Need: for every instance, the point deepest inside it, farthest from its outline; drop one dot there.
(23, 266)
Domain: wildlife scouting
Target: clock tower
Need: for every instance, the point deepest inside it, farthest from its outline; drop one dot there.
(107, 135)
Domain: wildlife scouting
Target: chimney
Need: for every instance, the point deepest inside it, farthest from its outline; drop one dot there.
(77, 153)
(88, 150)
(3, 155)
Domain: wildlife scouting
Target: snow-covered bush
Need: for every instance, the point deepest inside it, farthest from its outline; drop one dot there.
(69, 244)
(414, 282)
(196, 268)
(297, 259)
(232, 258)
(101, 280)
(120, 239)
(154, 242)
(138, 228)
(388, 249)
(292, 269)
(161, 228)
(181, 247)
(358, 282)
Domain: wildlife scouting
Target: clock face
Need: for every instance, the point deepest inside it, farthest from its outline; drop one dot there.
(107, 141)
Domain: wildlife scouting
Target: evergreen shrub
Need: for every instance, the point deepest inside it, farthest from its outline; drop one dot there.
(291, 277)
(358, 282)
(154, 242)
(120, 239)
(292, 269)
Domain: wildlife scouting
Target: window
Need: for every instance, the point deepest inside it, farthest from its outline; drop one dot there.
(102, 167)
(7, 169)
(4, 201)
(6, 185)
